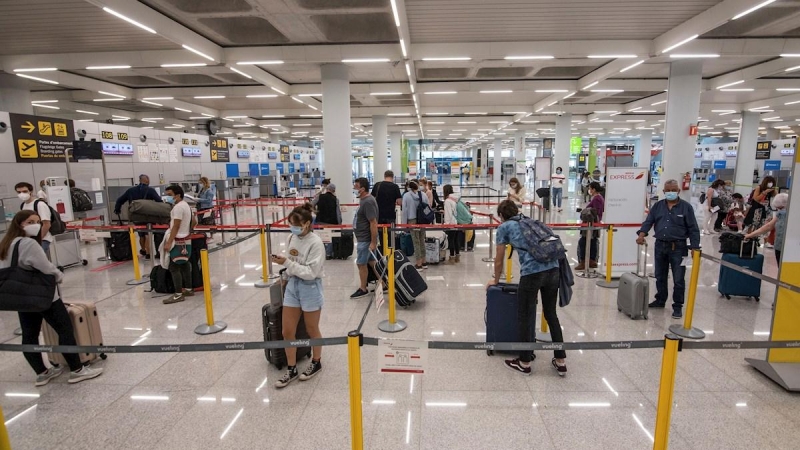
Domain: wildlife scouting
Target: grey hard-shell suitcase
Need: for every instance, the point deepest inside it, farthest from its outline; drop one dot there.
(633, 294)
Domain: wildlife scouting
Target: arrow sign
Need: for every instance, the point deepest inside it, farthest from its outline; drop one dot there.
(28, 126)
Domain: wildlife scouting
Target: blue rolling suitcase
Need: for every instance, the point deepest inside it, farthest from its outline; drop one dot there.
(501, 315)
(735, 283)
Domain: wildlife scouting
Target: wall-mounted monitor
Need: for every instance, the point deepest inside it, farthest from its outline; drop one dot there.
(110, 148)
(191, 152)
(296, 156)
(272, 155)
(125, 149)
(243, 153)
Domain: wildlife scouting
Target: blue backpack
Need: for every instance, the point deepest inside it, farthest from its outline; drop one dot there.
(425, 214)
(540, 241)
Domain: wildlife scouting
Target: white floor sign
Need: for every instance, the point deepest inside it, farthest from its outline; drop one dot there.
(624, 204)
(400, 356)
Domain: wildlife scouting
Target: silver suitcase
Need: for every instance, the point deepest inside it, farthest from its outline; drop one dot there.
(633, 295)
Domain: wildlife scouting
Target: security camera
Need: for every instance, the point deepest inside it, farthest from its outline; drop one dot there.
(3, 127)
(171, 140)
(143, 138)
(110, 121)
(560, 114)
(81, 133)
(208, 143)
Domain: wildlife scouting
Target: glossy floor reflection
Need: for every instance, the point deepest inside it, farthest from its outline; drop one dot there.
(465, 400)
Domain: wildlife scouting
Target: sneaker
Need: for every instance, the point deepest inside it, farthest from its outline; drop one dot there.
(188, 293)
(677, 314)
(314, 368)
(360, 293)
(516, 366)
(142, 252)
(655, 304)
(86, 373)
(562, 369)
(174, 299)
(45, 377)
(287, 378)
(147, 257)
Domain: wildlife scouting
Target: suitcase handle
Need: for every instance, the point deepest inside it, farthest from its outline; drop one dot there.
(641, 261)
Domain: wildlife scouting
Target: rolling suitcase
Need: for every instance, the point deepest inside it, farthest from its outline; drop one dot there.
(342, 245)
(86, 326)
(633, 295)
(405, 243)
(432, 250)
(500, 316)
(736, 283)
(199, 243)
(272, 317)
(118, 246)
(409, 284)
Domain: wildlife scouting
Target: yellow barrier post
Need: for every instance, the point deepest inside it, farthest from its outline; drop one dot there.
(686, 330)
(392, 325)
(210, 327)
(137, 272)
(354, 342)
(5, 443)
(509, 265)
(264, 262)
(608, 282)
(666, 388)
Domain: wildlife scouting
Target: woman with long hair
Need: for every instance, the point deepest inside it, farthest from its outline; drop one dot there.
(516, 191)
(758, 204)
(714, 200)
(205, 201)
(450, 218)
(23, 237)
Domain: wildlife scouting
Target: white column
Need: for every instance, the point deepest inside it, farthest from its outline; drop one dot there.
(683, 107)
(642, 156)
(380, 152)
(519, 148)
(498, 159)
(397, 159)
(773, 134)
(746, 156)
(336, 125)
(563, 138)
(17, 101)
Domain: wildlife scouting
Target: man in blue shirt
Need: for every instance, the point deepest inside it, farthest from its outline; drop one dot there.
(674, 222)
(141, 191)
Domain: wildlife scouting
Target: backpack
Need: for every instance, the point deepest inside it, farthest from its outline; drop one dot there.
(161, 281)
(702, 198)
(57, 225)
(540, 241)
(425, 214)
(463, 216)
(80, 200)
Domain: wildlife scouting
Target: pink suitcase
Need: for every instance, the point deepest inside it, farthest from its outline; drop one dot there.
(86, 324)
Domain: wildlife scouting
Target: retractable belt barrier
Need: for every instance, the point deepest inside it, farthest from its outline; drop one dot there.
(740, 269)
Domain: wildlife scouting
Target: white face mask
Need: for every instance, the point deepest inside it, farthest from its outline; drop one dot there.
(24, 196)
(33, 229)
(769, 185)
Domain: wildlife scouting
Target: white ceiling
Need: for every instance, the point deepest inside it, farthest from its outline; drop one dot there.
(71, 35)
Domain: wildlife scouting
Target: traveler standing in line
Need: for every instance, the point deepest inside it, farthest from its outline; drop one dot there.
(323, 188)
(450, 218)
(715, 198)
(535, 277)
(585, 181)
(557, 181)
(411, 201)
(423, 187)
(40, 207)
(388, 196)
(674, 222)
(304, 294)
(205, 200)
(366, 232)
(778, 222)
(516, 192)
(328, 213)
(433, 196)
(24, 234)
(598, 205)
(178, 245)
(141, 191)
(41, 194)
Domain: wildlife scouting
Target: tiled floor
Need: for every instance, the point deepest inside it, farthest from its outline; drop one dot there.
(465, 400)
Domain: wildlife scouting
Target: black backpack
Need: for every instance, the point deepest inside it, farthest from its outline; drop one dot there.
(161, 281)
(425, 214)
(80, 200)
(57, 225)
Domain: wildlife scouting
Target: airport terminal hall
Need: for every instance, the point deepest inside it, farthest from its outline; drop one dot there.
(399, 224)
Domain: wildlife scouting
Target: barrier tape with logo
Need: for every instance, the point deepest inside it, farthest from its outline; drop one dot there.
(753, 274)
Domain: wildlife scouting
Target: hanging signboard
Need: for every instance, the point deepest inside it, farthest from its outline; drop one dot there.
(40, 139)
(547, 147)
(763, 149)
(285, 153)
(624, 203)
(219, 150)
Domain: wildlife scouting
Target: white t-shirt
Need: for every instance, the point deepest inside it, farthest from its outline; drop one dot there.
(43, 212)
(557, 179)
(183, 212)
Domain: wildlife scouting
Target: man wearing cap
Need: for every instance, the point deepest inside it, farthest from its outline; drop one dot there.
(328, 213)
(142, 191)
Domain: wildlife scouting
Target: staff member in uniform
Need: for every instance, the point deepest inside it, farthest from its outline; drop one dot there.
(674, 223)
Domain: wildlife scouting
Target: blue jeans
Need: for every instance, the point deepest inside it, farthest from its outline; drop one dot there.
(557, 194)
(669, 255)
(593, 250)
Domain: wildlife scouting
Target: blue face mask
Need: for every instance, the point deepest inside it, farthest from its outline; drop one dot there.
(170, 200)
(297, 231)
(671, 196)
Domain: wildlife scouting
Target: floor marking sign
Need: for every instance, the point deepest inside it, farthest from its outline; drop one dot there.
(401, 356)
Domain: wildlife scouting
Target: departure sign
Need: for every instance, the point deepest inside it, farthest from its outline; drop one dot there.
(763, 149)
(40, 139)
(219, 150)
(285, 153)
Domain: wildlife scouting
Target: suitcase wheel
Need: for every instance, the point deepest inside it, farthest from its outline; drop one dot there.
(619, 309)
(490, 352)
(758, 299)
(103, 356)
(727, 296)
(85, 262)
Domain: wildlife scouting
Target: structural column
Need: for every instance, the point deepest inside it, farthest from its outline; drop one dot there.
(519, 151)
(498, 159)
(14, 96)
(380, 152)
(395, 146)
(683, 107)
(562, 144)
(773, 134)
(642, 153)
(336, 124)
(746, 155)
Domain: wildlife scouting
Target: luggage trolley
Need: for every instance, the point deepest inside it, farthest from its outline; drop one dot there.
(66, 251)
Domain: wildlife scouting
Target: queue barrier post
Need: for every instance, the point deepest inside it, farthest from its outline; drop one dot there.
(386, 241)
(666, 388)
(354, 342)
(392, 325)
(5, 444)
(608, 282)
(587, 272)
(137, 272)
(264, 282)
(235, 223)
(509, 264)
(270, 273)
(210, 327)
(490, 259)
(686, 330)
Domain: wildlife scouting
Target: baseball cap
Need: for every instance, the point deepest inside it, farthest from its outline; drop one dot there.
(331, 187)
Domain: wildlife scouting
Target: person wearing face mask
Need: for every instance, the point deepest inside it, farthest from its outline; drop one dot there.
(178, 246)
(23, 236)
(205, 200)
(329, 213)
(674, 222)
(516, 192)
(31, 203)
(366, 232)
(557, 181)
(758, 206)
(778, 223)
(41, 194)
(304, 293)
(141, 191)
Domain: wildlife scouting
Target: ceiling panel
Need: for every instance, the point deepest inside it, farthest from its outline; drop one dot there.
(432, 21)
(68, 26)
(779, 19)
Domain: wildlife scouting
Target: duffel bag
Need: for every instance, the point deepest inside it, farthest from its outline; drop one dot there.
(148, 211)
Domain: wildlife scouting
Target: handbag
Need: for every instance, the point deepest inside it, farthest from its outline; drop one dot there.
(180, 251)
(24, 290)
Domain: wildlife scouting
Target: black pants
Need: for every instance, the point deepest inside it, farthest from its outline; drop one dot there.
(527, 293)
(181, 276)
(58, 318)
(594, 248)
(454, 241)
(720, 218)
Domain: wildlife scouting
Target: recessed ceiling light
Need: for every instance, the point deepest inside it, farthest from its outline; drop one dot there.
(45, 106)
(87, 112)
(696, 55)
(449, 58)
(271, 62)
(730, 84)
(107, 67)
(376, 94)
(501, 91)
(43, 80)
(748, 11)
(515, 58)
(366, 60)
(184, 65)
(631, 66)
(208, 96)
(437, 114)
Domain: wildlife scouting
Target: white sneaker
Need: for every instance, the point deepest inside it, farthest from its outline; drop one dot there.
(45, 377)
(86, 373)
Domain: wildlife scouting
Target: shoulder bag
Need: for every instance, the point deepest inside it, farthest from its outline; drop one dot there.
(24, 290)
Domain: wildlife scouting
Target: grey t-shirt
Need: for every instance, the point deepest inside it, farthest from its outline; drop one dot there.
(367, 210)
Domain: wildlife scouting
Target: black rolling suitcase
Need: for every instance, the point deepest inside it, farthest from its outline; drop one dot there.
(343, 245)
(199, 242)
(118, 246)
(409, 284)
(272, 319)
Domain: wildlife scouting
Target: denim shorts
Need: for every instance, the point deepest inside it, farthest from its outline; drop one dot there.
(362, 253)
(304, 294)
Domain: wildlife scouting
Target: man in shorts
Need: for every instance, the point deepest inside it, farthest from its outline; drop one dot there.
(366, 232)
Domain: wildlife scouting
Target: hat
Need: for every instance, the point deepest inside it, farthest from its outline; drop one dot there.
(331, 187)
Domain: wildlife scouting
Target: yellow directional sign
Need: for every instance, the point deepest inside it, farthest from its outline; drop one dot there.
(40, 139)
(28, 126)
(45, 128)
(213, 155)
(27, 148)
(61, 129)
